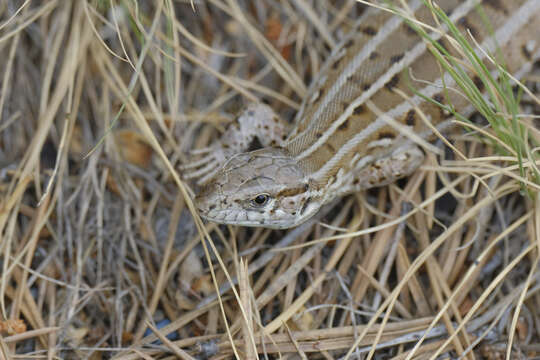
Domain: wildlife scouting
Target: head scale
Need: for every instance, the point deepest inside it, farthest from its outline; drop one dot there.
(265, 188)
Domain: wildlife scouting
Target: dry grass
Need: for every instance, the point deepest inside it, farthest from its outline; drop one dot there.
(101, 252)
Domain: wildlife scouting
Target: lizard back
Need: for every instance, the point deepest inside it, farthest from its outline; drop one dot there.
(335, 122)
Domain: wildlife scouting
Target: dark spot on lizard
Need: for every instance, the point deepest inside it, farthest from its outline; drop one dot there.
(251, 113)
(392, 82)
(349, 43)
(327, 47)
(465, 23)
(526, 52)
(360, 109)
(304, 207)
(478, 83)
(410, 118)
(225, 146)
(409, 30)
(344, 126)
(357, 78)
(373, 55)
(369, 30)
(396, 58)
(442, 111)
(255, 144)
(443, 44)
(497, 5)
(438, 98)
(366, 87)
(330, 147)
(386, 135)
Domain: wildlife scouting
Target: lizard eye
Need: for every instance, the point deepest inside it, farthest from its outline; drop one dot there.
(260, 200)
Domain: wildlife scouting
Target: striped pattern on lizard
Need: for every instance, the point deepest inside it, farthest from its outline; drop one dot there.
(340, 142)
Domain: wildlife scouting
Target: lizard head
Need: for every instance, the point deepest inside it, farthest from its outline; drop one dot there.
(264, 188)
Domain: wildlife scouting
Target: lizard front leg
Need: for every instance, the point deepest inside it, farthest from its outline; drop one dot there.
(256, 126)
(372, 171)
(402, 162)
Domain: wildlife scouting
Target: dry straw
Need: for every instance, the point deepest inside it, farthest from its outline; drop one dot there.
(102, 254)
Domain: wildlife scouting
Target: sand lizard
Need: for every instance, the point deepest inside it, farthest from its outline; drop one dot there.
(339, 144)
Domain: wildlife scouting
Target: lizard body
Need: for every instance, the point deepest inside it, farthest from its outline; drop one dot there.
(342, 141)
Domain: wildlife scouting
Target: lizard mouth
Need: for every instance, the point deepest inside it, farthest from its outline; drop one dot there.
(243, 218)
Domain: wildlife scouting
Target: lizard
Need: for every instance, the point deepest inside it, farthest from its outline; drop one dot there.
(342, 141)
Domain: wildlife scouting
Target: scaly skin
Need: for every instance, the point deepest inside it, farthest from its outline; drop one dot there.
(339, 144)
